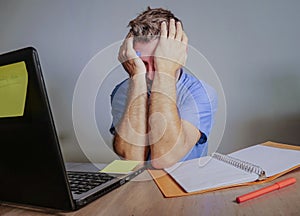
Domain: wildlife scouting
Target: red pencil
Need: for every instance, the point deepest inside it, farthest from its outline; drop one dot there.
(265, 190)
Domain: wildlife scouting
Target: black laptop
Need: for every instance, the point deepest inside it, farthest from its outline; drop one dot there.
(32, 169)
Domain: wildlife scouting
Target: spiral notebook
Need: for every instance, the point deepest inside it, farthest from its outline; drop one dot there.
(252, 165)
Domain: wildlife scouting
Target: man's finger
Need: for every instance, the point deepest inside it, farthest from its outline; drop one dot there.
(178, 31)
(130, 34)
(130, 52)
(163, 30)
(172, 29)
(184, 38)
(129, 43)
(126, 51)
(121, 52)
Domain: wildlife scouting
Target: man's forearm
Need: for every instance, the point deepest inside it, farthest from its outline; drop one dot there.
(170, 138)
(165, 124)
(130, 141)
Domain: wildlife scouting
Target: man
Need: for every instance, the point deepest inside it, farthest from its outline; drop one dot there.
(160, 113)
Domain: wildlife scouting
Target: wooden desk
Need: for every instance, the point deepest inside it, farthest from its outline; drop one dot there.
(144, 198)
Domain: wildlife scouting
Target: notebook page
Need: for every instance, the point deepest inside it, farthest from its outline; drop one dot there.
(272, 160)
(206, 172)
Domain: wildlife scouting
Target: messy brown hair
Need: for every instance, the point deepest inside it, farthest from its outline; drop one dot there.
(146, 26)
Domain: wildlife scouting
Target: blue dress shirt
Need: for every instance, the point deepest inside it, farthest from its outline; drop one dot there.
(196, 103)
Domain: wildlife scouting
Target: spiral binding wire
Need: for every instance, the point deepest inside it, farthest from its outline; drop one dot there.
(244, 165)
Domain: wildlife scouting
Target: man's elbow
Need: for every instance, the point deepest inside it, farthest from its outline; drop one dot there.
(162, 163)
(162, 159)
(117, 146)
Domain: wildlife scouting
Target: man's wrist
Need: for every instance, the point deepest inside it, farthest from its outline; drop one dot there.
(166, 70)
(164, 83)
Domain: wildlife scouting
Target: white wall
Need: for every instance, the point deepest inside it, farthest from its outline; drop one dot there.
(252, 45)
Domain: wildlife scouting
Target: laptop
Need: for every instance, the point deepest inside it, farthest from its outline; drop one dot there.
(33, 172)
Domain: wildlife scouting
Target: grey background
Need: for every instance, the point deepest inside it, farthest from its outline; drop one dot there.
(252, 45)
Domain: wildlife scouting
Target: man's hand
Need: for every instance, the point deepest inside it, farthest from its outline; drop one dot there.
(171, 52)
(129, 59)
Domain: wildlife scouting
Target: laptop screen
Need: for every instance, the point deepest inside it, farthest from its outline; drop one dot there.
(31, 164)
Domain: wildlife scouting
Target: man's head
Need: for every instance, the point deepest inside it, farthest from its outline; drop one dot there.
(146, 26)
(146, 29)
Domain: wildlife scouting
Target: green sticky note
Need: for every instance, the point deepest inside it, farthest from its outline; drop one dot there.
(13, 89)
(120, 166)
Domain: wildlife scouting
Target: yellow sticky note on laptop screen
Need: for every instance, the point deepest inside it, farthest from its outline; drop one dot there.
(120, 166)
(13, 89)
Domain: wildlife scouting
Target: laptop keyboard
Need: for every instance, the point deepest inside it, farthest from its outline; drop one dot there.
(81, 182)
